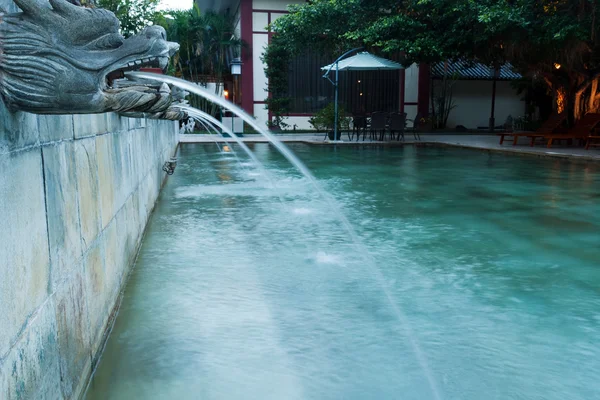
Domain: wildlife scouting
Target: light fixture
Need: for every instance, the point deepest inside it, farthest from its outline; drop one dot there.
(226, 94)
(359, 81)
(557, 65)
(361, 93)
(236, 66)
(236, 71)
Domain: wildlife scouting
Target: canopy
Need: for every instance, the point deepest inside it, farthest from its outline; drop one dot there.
(364, 61)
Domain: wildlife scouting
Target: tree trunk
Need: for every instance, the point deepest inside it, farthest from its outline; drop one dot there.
(569, 106)
(577, 111)
(593, 94)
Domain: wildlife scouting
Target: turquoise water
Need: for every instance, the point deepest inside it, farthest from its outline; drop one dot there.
(250, 288)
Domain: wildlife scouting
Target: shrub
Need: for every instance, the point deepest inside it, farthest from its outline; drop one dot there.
(324, 120)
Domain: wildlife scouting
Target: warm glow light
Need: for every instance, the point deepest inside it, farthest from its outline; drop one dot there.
(226, 93)
(359, 81)
(560, 100)
(226, 149)
(361, 93)
(557, 65)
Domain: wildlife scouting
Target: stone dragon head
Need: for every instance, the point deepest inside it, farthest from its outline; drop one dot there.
(56, 57)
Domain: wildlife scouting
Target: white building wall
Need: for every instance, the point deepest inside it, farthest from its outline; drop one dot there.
(411, 113)
(264, 12)
(300, 122)
(473, 101)
(274, 4)
(260, 21)
(259, 42)
(261, 114)
(411, 90)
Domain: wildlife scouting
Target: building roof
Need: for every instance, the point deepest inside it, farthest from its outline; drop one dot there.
(473, 70)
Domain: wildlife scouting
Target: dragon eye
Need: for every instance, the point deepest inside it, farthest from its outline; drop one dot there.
(108, 42)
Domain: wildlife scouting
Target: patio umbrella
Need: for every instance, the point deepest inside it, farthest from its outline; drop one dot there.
(363, 61)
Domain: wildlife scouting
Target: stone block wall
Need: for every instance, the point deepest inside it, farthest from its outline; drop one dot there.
(75, 195)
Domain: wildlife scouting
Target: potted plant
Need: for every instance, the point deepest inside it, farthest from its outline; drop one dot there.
(324, 121)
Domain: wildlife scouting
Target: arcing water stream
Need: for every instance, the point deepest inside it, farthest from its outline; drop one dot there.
(332, 204)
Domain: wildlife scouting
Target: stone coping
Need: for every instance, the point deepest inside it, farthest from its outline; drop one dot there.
(489, 142)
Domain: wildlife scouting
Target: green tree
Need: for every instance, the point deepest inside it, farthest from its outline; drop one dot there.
(180, 26)
(134, 15)
(205, 40)
(553, 40)
(277, 58)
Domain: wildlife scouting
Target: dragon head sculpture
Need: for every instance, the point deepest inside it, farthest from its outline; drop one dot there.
(55, 58)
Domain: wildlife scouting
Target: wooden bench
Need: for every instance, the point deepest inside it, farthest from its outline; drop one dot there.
(548, 127)
(566, 136)
(531, 135)
(590, 142)
(582, 130)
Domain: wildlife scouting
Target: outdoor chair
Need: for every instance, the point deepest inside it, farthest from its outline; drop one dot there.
(582, 130)
(548, 127)
(378, 125)
(397, 125)
(416, 126)
(359, 124)
(592, 141)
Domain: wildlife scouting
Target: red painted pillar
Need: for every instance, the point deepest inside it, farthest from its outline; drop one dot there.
(247, 78)
(423, 92)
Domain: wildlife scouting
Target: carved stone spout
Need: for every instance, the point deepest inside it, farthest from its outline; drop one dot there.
(166, 100)
(55, 57)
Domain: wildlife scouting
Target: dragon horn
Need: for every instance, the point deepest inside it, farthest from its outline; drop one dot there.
(64, 7)
(32, 7)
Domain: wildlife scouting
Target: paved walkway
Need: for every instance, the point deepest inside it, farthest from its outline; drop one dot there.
(484, 142)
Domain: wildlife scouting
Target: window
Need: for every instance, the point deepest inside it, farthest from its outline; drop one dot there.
(360, 92)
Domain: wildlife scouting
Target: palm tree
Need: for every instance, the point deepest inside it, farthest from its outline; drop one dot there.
(206, 42)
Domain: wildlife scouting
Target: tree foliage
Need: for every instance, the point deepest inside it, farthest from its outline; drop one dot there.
(553, 40)
(134, 15)
(205, 41)
(277, 59)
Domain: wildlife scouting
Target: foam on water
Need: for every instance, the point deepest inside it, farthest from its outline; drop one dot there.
(302, 211)
(327, 258)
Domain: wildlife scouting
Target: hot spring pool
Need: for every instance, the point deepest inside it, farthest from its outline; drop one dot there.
(250, 288)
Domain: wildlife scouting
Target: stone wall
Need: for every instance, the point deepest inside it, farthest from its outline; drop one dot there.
(75, 196)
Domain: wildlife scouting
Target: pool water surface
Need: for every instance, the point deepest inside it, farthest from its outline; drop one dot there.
(248, 286)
